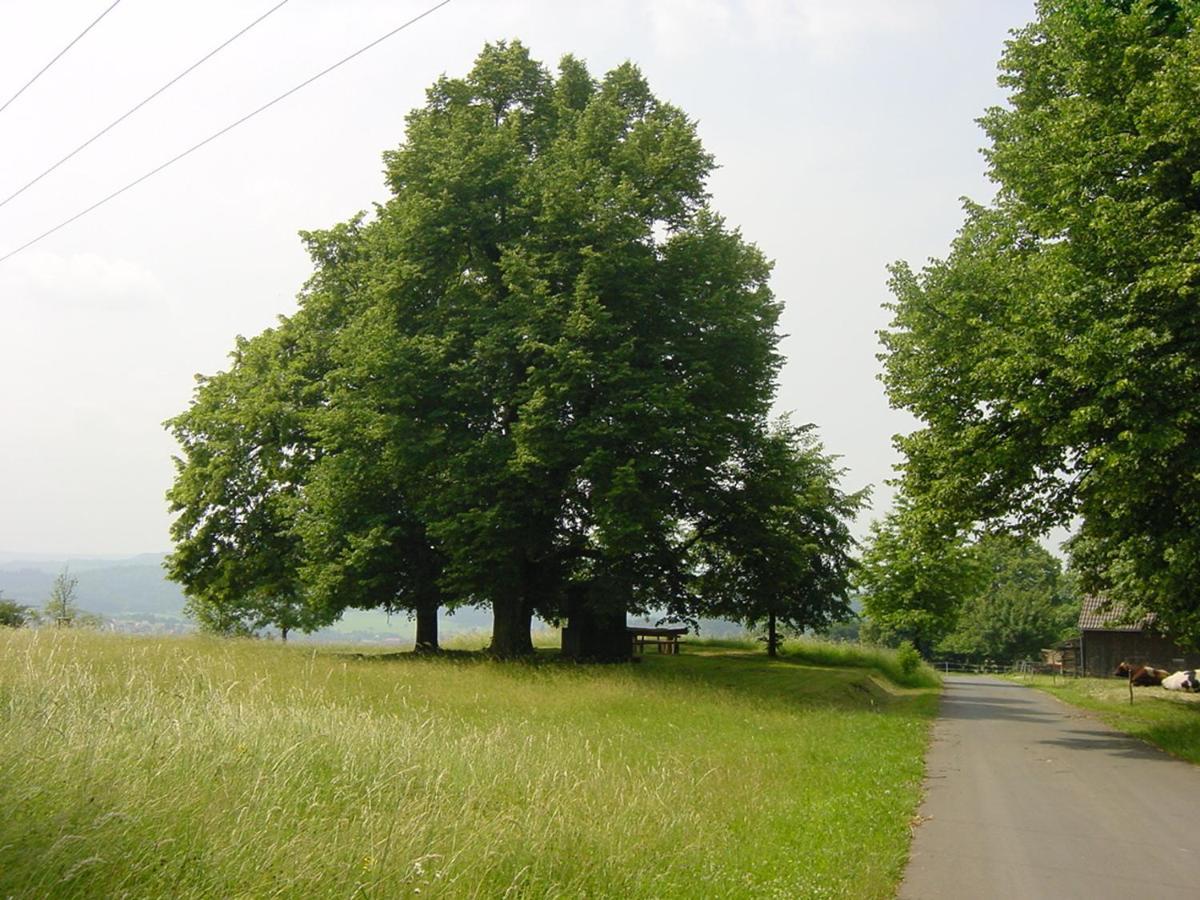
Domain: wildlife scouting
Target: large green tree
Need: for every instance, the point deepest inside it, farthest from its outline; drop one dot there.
(1054, 357)
(563, 343)
(264, 536)
(518, 382)
(244, 455)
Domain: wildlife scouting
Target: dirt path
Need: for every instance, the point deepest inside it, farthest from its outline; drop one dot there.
(1026, 797)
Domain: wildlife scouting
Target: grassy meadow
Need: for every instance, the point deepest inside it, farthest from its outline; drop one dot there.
(1167, 719)
(192, 767)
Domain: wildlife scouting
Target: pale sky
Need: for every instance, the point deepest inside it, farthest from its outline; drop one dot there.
(844, 131)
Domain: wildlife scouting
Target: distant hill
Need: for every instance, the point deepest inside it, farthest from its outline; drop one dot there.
(134, 585)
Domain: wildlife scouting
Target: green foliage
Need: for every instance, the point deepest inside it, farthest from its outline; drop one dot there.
(518, 385)
(1052, 357)
(194, 767)
(15, 615)
(908, 658)
(1027, 603)
(774, 546)
(914, 580)
(245, 452)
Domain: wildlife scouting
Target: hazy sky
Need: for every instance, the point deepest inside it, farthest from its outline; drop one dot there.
(844, 131)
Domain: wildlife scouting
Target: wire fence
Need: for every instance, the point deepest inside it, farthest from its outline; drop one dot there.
(1027, 667)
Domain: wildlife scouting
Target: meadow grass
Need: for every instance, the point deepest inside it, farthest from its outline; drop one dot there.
(1167, 719)
(193, 767)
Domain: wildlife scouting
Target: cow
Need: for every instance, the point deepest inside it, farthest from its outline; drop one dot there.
(1141, 676)
(1182, 681)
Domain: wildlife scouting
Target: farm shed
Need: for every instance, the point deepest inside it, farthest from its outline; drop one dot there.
(1106, 638)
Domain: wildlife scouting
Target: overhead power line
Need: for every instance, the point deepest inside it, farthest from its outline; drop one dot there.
(43, 69)
(232, 125)
(117, 121)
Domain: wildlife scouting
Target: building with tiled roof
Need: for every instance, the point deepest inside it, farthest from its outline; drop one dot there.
(1109, 635)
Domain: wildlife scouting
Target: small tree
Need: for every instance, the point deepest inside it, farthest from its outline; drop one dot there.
(777, 551)
(61, 606)
(914, 580)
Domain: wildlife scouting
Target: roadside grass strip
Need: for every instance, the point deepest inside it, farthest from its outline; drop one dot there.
(1167, 719)
(193, 767)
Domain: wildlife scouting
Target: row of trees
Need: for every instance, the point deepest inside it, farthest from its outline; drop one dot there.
(1053, 357)
(536, 379)
(1000, 597)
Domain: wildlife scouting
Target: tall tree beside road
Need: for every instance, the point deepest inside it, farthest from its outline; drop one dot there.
(1054, 357)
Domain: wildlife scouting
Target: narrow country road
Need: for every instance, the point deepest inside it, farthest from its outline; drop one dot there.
(1026, 798)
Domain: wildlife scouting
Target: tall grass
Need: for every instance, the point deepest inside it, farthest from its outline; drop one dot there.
(836, 654)
(201, 768)
(888, 662)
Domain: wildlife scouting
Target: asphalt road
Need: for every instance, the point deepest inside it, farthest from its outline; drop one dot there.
(1026, 797)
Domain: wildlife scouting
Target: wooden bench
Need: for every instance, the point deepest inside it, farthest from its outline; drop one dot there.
(665, 639)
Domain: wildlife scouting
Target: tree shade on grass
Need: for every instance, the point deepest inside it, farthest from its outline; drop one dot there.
(1054, 357)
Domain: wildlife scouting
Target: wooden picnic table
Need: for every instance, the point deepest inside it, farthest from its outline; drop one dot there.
(665, 639)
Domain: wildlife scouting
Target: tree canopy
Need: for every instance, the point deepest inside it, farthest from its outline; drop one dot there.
(777, 550)
(518, 384)
(1054, 355)
(1026, 603)
(912, 581)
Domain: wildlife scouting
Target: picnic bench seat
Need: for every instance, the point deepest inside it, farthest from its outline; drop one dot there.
(665, 639)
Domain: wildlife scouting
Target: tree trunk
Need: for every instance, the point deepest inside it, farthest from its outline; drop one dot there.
(772, 637)
(595, 634)
(427, 628)
(511, 620)
(283, 632)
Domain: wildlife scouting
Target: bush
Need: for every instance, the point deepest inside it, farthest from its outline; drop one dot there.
(14, 615)
(908, 658)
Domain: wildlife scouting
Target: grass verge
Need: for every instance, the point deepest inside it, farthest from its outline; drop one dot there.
(1167, 719)
(834, 654)
(194, 767)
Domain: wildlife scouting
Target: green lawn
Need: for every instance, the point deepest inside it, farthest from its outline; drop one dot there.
(195, 767)
(1167, 719)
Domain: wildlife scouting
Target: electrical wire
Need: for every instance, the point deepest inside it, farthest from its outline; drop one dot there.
(115, 122)
(212, 137)
(42, 71)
